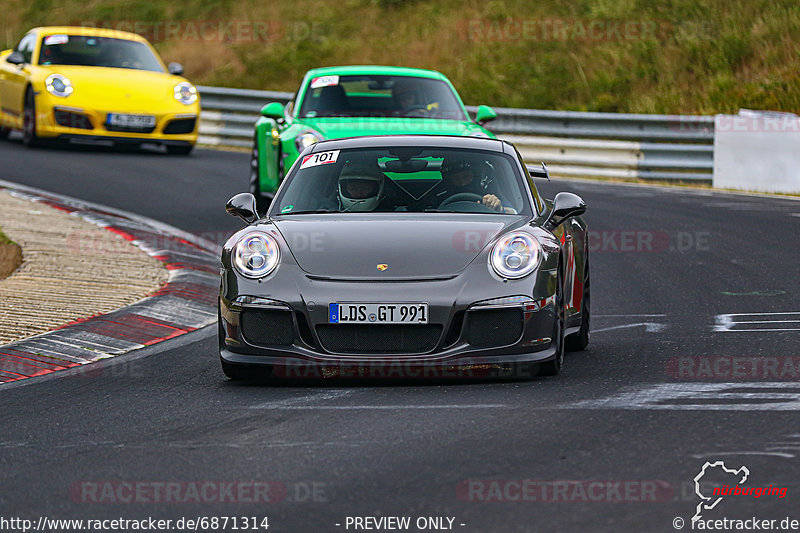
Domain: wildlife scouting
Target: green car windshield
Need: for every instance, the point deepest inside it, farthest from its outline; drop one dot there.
(90, 51)
(403, 179)
(380, 96)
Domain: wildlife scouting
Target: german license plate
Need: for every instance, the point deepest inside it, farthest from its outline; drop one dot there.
(363, 313)
(131, 121)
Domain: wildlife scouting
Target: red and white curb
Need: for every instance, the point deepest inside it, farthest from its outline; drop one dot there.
(187, 302)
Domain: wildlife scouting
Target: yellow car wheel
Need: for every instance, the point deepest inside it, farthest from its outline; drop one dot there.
(29, 120)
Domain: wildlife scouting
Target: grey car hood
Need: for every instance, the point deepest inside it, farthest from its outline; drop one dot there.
(411, 246)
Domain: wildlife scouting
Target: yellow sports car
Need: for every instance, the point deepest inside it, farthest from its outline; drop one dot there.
(91, 84)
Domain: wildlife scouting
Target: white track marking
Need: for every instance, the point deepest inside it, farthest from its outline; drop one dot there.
(702, 397)
(650, 327)
(769, 322)
(390, 407)
(305, 398)
(728, 322)
(770, 454)
(628, 316)
(781, 448)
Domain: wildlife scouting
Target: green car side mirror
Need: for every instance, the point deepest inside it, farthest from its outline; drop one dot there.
(273, 110)
(485, 114)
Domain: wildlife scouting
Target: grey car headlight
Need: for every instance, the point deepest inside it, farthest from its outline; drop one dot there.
(255, 255)
(306, 138)
(59, 85)
(185, 93)
(516, 255)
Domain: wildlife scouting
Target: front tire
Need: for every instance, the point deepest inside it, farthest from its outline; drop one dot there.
(263, 201)
(29, 136)
(578, 341)
(551, 368)
(240, 372)
(4, 131)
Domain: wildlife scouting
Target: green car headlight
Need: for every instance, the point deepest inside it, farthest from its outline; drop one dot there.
(306, 138)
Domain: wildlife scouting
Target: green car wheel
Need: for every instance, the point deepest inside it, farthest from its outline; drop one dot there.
(263, 200)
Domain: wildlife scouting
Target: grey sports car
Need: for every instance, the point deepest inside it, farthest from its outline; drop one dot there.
(419, 251)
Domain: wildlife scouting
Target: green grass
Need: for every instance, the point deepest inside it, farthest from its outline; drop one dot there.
(679, 56)
(4, 238)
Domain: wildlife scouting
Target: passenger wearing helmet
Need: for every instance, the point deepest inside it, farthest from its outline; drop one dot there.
(361, 187)
(468, 176)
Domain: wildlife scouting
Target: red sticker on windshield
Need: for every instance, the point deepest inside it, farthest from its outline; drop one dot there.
(322, 158)
(324, 81)
(56, 39)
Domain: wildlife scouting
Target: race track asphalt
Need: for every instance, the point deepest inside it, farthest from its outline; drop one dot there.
(685, 366)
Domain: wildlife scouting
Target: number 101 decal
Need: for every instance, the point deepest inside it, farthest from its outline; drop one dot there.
(321, 158)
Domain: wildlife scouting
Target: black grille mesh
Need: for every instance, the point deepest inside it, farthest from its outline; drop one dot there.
(180, 126)
(494, 327)
(379, 338)
(455, 329)
(267, 327)
(72, 120)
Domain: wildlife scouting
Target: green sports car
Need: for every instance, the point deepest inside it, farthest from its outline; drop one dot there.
(355, 101)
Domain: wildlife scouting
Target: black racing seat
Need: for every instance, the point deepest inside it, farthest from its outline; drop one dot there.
(332, 100)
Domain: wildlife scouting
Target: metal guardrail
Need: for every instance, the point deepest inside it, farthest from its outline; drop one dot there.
(573, 144)
(229, 115)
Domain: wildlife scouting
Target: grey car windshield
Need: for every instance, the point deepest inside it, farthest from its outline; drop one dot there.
(91, 51)
(403, 179)
(380, 96)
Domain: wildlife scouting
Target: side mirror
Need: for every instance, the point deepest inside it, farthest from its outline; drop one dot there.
(16, 58)
(484, 114)
(243, 205)
(565, 206)
(176, 69)
(273, 110)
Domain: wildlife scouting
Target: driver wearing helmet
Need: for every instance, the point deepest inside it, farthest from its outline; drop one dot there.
(361, 187)
(466, 176)
(407, 96)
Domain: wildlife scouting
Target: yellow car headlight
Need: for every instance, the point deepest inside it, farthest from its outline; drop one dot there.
(59, 85)
(185, 93)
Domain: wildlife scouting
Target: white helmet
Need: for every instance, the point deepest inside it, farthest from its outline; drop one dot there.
(360, 187)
